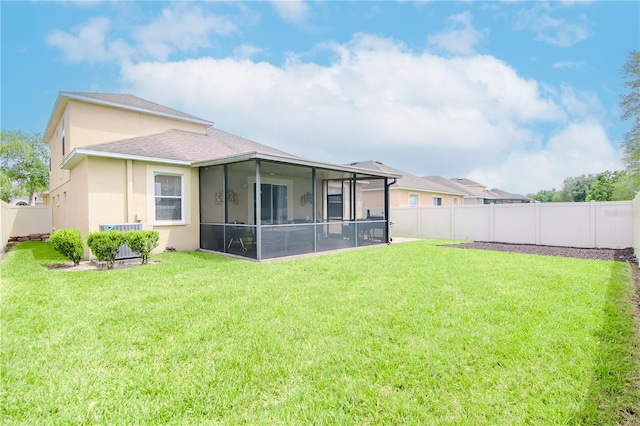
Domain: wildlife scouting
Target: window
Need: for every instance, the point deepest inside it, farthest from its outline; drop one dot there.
(437, 201)
(168, 197)
(63, 137)
(413, 200)
(168, 193)
(455, 201)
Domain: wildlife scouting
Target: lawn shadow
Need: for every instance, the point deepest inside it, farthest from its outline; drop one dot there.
(614, 395)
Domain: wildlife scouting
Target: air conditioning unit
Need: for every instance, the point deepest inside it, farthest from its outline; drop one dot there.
(125, 252)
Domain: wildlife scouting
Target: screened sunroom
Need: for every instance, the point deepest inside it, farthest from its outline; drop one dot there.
(264, 207)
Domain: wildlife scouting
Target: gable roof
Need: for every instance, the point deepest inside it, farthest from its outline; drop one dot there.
(180, 147)
(469, 191)
(509, 196)
(121, 101)
(407, 181)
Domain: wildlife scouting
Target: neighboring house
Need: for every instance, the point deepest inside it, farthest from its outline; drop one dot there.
(25, 201)
(119, 159)
(476, 193)
(508, 198)
(406, 191)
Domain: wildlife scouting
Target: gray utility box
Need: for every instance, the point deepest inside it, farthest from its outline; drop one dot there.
(125, 252)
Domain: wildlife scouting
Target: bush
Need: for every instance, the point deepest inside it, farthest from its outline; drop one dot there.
(142, 242)
(105, 245)
(68, 242)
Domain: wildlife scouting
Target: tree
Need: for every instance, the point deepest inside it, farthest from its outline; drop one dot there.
(544, 195)
(575, 188)
(24, 158)
(630, 103)
(603, 186)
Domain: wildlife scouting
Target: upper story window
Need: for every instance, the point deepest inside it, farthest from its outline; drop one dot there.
(413, 200)
(63, 134)
(168, 197)
(437, 201)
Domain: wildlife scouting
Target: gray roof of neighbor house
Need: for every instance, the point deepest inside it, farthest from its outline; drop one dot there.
(509, 196)
(469, 192)
(194, 149)
(466, 182)
(118, 100)
(407, 181)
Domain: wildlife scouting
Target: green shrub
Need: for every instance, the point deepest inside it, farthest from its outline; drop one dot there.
(105, 245)
(142, 242)
(68, 242)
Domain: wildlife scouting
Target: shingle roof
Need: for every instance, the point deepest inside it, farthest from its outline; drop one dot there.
(470, 192)
(407, 181)
(180, 145)
(196, 150)
(128, 101)
(509, 196)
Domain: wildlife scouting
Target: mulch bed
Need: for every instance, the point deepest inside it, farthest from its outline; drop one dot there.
(621, 255)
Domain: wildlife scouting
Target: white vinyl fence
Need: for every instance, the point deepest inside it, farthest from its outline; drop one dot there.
(611, 224)
(23, 221)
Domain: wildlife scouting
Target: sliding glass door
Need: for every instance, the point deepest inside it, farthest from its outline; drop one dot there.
(274, 201)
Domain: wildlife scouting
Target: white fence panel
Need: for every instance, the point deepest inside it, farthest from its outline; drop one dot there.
(24, 220)
(565, 224)
(405, 222)
(612, 224)
(515, 223)
(435, 222)
(472, 223)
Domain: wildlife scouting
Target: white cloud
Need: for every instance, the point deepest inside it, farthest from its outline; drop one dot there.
(180, 27)
(246, 51)
(552, 30)
(579, 148)
(88, 43)
(459, 38)
(418, 112)
(569, 64)
(292, 11)
(183, 27)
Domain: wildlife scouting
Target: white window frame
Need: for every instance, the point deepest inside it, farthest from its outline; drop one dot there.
(415, 197)
(433, 201)
(185, 175)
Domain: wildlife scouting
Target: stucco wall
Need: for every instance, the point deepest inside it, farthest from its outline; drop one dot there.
(90, 124)
(399, 197)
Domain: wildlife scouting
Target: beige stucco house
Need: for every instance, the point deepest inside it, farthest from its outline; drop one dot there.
(407, 190)
(119, 159)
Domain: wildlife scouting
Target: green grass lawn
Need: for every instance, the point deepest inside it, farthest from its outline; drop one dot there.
(410, 333)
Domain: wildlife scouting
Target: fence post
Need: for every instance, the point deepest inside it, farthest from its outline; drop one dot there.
(592, 224)
(536, 223)
(452, 222)
(491, 220)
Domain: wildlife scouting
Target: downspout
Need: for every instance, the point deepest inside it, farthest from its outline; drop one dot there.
(386, 206)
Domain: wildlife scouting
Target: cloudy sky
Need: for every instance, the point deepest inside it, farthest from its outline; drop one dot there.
(516, 95)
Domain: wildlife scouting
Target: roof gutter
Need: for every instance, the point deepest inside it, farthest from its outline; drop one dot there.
(80, 154)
